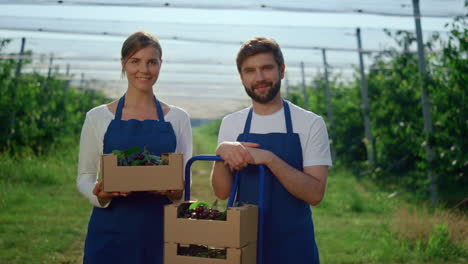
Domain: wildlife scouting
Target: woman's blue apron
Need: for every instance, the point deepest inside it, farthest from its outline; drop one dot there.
(130, 230)
(288, 227)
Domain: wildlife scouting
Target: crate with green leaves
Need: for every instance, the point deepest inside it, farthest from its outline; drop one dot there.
(137, 169)
(199, 232)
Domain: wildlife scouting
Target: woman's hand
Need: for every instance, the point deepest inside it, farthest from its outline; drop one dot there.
(105, 197)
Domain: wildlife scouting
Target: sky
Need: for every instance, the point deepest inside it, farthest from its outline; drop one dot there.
(199, 45)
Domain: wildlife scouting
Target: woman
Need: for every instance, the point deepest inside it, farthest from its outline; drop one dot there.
(128, 227)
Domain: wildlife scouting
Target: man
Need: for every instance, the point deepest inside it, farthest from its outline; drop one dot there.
(293, 145)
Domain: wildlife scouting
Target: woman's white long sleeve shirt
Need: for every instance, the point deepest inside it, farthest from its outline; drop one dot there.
(92, 142)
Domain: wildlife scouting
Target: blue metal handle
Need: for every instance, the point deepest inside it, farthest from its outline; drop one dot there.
(187, 170)
(261, 215)
(235, 185)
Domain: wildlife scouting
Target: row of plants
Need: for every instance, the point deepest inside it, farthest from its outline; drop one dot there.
(39, 112)
(396, 114)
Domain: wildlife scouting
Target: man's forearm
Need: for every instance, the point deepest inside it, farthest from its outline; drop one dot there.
(308, 186)
(221, 180)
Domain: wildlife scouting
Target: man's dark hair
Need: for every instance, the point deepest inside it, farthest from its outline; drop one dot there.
(259, 45)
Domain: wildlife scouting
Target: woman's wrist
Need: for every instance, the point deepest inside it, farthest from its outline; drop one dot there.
(104, 201)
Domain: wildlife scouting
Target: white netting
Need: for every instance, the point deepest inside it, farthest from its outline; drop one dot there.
(435, 8)
(199, 55)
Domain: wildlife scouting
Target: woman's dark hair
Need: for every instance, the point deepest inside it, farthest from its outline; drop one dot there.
(136, 42)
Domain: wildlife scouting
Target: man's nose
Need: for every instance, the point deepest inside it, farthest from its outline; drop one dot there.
(259, 76)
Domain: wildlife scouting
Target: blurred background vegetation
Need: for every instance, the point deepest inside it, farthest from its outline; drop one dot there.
(396, 116)
(371, 214)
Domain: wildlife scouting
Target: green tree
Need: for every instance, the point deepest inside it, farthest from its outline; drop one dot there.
(37, 112)
(396, 114)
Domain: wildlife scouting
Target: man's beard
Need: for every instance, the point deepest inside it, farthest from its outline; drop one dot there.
(266, 98)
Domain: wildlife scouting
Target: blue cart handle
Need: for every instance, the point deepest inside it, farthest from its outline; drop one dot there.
(187, 170)
(235, 182)
(234, 188)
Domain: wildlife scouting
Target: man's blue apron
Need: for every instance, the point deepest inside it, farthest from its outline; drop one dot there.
(130, 230)
(288, 228)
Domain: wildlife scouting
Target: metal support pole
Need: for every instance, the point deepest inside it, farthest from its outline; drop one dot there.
(14, 87)
(425, 104)
(51, 59)
(304, 94)
(67, 74)
(329, 105)
(20, 61)
(369, 141)
(82, 81)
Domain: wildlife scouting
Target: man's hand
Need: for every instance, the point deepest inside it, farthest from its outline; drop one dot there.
(308, 184)
(235, 154)
(105, 197)
(259, 156)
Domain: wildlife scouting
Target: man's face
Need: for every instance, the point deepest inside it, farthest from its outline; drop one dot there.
(261, 77)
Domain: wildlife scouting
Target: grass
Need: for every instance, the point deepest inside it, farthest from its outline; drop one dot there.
(358, 223)
(43, 218)
(205, 138)
(204, 144)
(41, 213)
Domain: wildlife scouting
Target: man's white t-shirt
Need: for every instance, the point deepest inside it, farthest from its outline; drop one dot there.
(92, 143)
(310, 127)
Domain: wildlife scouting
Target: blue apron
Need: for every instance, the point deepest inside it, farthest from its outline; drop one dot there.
(130, 230)
(288, 227)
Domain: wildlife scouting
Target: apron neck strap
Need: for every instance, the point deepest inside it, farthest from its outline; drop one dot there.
(287, 118)
(248, 121)
(159, 110)
(118, 112)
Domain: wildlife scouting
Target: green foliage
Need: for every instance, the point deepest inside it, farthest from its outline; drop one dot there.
(353, 225)
(396, 114)
(37, 113)
(397, 121)
(296, 99)
(135, 156)
(208, 138)
(347, 132)
(45, 222)
(348, 129)
(448, 87)
(439, 244)
(122, 154)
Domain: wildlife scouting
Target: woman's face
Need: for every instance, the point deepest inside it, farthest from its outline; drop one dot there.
(142, 69)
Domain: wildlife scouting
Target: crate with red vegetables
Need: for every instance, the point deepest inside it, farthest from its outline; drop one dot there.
(196, 232)
(136, 169)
